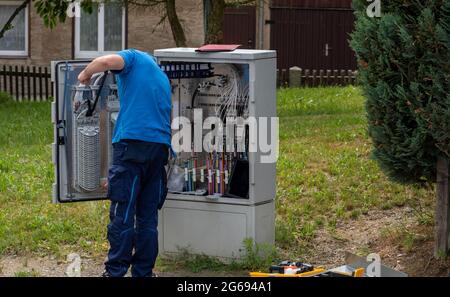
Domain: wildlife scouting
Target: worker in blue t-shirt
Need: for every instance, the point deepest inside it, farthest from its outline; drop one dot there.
(137, 184)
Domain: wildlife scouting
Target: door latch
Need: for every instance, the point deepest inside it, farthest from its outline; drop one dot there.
(61, 140)
(328, 48)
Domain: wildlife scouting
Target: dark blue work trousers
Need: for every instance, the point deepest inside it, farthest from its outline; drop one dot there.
(137, 188)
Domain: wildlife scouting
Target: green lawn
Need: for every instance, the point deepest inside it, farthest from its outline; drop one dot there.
(325, 172)
(28, 220)
(324, 175)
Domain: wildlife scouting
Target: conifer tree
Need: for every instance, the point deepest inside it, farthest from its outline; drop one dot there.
(403, 57)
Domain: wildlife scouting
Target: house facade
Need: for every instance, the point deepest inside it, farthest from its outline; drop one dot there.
(311, 34)
(111, 29)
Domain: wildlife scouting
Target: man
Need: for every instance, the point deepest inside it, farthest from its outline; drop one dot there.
(137, 178)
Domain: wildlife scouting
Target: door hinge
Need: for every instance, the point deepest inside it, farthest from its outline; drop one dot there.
(61, 140)
(61, 124)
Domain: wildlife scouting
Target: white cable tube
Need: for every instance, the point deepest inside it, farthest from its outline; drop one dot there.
(88, 158)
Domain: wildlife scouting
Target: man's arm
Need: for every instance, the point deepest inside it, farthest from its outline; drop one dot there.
(101, 64)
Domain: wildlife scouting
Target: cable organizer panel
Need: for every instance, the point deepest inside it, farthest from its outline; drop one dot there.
(175, 70)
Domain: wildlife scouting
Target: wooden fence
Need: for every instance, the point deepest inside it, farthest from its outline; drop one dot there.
(297, 77)
(32, 83)
(26, 83)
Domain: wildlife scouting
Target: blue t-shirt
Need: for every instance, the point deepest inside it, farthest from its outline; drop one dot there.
(145, 100)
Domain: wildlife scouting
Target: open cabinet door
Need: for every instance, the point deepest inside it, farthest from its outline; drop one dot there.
(82, 132)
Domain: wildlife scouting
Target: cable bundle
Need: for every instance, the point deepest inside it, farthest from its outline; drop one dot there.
(233, 100)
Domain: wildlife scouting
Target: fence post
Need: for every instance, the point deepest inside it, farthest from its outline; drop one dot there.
(335, 77)
(40, 98)
(314, 76)
(351, 76)
(28, 83)
(295, 77)
(46, 82)
(278, 78)
(307, 78)
(4, 79)
(34, 84)
(321, 77)
(10, 80)
(284, 78)
(16, 81)
(22, 82)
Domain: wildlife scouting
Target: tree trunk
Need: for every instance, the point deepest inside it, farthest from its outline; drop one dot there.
(442, 211)
(215, 18)
(175, 25)
(8, 23)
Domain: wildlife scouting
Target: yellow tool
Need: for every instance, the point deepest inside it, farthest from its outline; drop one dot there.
(354, 266)
(359, 272)
(314, 272)
(299, 269)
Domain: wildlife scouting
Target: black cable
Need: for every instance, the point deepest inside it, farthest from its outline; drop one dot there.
(91, 109)
(194, 95)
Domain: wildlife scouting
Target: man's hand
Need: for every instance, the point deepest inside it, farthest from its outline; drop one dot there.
(84, 77)
(104, 184)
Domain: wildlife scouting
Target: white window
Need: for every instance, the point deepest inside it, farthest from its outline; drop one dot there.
(15, 40)
(101, 32)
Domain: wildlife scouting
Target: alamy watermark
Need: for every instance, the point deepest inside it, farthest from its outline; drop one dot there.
(74, 267)
(74, 7)
(374, 9)
(235, 134)
(374, 268)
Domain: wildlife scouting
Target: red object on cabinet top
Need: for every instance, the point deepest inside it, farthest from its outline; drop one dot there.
(217, 48)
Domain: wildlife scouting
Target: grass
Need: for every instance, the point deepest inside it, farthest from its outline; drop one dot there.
(400, 235)
(256, 257)
(32, 273)
(324, 175)
(28, 220)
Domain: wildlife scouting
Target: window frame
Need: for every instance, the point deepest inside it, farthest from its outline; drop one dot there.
(79, 54)
(25, 52)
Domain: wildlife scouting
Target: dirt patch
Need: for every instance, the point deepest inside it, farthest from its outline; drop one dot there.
(50, 267)
(357, 236)
(394, 234)
(45, 266)
(418, 260)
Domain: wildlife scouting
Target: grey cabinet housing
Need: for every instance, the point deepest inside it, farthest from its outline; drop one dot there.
(202, 217)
